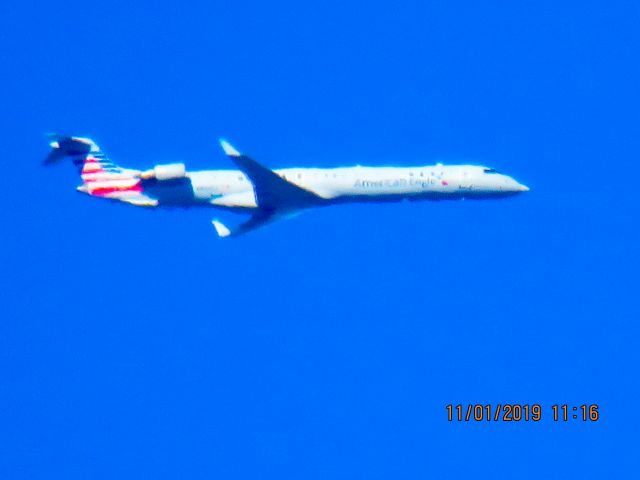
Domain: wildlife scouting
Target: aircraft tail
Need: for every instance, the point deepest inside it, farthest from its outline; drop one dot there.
(83, 152)
(100, 176)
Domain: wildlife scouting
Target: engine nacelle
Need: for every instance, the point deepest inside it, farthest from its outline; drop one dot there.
(170, 171)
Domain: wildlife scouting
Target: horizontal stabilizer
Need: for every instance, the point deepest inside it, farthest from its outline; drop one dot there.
(63, 146)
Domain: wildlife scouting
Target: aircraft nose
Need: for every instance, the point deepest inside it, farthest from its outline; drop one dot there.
(512, 185)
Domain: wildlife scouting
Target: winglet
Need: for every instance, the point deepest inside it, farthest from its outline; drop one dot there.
(228, 148)
(221, 229)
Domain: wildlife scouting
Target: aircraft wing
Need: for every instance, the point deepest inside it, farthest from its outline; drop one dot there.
(257, 220)
(272, 191)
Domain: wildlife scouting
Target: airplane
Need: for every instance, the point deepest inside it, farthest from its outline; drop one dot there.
(266, 194)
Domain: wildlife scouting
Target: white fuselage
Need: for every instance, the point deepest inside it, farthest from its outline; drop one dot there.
(271, 194)
(232, 189)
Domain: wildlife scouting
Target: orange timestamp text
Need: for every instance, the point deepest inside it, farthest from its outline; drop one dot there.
(515, 412)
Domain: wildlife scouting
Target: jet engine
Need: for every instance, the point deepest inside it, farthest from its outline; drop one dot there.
(170, 171)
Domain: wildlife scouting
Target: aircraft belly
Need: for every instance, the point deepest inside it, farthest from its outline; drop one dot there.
(396, 190)
(245, 199)
(170, 192)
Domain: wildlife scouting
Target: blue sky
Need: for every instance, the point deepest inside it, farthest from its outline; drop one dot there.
(134, 343)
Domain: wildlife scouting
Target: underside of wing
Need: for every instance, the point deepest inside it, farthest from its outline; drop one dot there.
(257, 220)
(272, 191)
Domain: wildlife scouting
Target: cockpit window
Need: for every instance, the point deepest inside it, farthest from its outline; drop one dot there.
(491, 170)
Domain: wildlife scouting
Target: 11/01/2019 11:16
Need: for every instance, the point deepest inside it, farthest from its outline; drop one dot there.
(520, 412)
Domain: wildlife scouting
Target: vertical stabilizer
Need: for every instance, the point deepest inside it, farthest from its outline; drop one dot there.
(100, 176)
